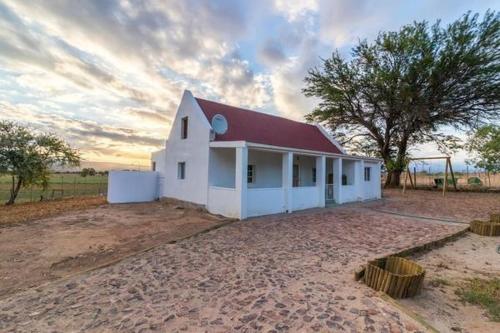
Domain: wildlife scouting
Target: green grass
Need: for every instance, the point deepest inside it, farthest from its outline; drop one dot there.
(485, 293)
(71, 184)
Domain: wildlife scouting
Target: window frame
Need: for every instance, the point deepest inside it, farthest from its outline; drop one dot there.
(251, 174)
(181, 170)
(369, 174)
(184, 127)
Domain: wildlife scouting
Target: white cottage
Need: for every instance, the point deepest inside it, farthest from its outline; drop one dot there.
(241, 163)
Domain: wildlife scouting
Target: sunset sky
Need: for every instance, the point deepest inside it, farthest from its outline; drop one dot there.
(107, 75)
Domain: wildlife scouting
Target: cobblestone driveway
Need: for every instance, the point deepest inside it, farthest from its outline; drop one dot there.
(272, 274)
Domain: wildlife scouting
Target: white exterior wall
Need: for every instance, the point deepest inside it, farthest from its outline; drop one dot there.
(222, 167)
(349, 193)
(267, 169)
(337, 180)
(223, 201)
(372, 189)
(241, 181)
(160, 159)
(306, 164)
(264, 201)
(305, 197)
(132, 186)
(194, 151)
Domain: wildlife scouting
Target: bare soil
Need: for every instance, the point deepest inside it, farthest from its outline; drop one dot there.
(23, 212)
(283, 273)
(448, 268)
(287, 272)
(455, 206)
(43, 250)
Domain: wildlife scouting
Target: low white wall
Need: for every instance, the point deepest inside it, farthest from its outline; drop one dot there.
(304, 197)
(160, 159)
(223, 201)
(265, 201)
(132, 186)
(349, 193)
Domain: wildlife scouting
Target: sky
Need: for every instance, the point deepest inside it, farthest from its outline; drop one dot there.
(107, 76)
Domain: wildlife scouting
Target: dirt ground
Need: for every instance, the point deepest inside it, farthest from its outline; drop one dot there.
(456, 206)
(281, 273)
(29, 211)
(43, 250)
(447, 268)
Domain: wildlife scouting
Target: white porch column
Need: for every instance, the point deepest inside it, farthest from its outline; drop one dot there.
(320, 179)
(287, 180)
(359, 178)
(337, 180)
(241, 180)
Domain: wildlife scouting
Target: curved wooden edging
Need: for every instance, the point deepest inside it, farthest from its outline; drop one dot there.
(485, 228)
(360, 273)
(397, 277)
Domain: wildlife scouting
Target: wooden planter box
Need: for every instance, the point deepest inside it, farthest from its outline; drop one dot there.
(495, 218)
(397, 277)
(485, 228)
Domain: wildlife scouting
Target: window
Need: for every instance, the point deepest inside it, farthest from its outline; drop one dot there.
(251, 174)
(184, 128)
(344, 179)
(314, 175)
(153, 166)
(367, 174)
(295, 175)
(181, 170)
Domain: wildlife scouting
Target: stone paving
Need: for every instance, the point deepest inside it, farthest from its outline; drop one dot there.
(274, 274)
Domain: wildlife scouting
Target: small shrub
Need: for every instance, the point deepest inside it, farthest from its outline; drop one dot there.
(485, 293)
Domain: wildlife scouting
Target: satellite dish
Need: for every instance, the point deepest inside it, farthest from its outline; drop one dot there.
(219, 124)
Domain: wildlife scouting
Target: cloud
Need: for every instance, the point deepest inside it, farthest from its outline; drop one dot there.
(88, 136)
(288, 81)
(108, 75)
(148, 115)
(271, 53)
(104, 61)
(296, 9)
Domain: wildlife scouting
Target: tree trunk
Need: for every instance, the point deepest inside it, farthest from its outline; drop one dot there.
(393, 179)
(14, 191)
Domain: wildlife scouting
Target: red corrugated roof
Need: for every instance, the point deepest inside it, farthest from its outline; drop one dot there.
(257, 127)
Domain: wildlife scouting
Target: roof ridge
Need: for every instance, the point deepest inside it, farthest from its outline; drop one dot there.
(260, 113)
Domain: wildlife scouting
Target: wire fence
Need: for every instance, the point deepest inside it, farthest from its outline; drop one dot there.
(464, 180)
(61, 185)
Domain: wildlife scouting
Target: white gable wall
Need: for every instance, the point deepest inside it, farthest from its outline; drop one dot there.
(194, 151)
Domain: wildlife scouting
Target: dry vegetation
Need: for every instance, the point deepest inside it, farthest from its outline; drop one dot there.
(484, 292)
(461, 289)
(23, 212)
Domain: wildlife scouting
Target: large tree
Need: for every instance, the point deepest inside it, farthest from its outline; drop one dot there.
(484, 146)
(405, 86)
(28, 157)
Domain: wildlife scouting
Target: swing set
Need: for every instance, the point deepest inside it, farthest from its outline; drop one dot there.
(413, 182)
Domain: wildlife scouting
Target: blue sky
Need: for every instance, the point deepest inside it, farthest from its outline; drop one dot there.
(107, 75)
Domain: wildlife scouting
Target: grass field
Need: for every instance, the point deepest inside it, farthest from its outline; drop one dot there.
(60, 185)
